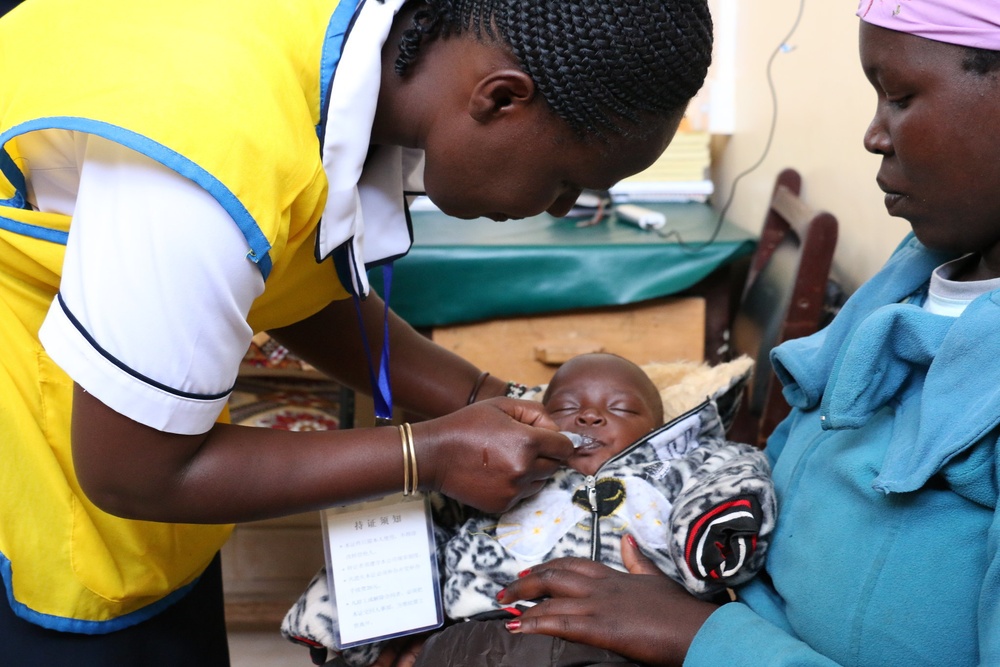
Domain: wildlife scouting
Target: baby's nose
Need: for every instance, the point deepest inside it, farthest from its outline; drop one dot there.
(589, 418)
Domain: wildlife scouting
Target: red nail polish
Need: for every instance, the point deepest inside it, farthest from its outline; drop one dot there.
(631, 540)
(513, 626)
(523, 573)
(500, 594)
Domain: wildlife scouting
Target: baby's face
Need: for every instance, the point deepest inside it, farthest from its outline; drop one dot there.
(607, 399)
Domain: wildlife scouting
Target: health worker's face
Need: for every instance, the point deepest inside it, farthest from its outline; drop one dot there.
(530, 164)
(937, 128)
(605, 398)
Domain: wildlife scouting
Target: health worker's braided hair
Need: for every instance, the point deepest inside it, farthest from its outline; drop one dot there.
(596, 62)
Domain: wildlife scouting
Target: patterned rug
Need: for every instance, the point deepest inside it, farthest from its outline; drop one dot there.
(276, 390)
(290, 404)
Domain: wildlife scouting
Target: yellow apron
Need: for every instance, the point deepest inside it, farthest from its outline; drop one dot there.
(227, 93)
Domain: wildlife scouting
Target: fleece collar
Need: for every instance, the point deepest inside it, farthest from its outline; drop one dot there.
(365, 222)
(879, 349)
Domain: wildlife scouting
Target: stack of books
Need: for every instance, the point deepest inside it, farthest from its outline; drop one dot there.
(680, 174)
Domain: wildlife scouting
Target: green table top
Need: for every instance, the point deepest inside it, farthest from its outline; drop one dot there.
(468, 270)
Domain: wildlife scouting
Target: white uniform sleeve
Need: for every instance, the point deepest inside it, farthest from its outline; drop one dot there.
(155, 291)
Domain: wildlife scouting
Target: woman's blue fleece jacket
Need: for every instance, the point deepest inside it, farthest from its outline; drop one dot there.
(886, 548)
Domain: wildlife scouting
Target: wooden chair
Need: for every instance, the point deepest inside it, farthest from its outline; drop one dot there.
(782, 299)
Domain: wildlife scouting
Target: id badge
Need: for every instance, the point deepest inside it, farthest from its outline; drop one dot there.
(382, 569)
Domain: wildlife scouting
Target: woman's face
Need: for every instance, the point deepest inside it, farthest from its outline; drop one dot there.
(529, 164)
(937, 128)
(606, 398)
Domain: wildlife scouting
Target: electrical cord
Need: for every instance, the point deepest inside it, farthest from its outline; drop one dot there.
(781, 48)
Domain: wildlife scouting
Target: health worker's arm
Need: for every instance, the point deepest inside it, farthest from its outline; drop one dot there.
(151, 325)
(488, 455)
(426, 379)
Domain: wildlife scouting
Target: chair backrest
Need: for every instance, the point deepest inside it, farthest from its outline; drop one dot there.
(782, 299)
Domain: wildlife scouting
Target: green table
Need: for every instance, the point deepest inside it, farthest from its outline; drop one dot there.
(469, 270)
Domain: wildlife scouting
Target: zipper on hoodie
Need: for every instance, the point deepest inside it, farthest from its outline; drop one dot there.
(595, 530)
(591, 480)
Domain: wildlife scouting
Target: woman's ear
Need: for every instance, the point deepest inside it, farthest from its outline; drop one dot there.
(500, 93)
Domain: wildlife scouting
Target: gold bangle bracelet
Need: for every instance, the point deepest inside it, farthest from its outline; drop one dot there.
(406, 461)
(413, 459)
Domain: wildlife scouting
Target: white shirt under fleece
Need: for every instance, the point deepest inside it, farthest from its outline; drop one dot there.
(946, 296)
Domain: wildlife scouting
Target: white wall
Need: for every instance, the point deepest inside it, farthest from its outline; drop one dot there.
(824, 105)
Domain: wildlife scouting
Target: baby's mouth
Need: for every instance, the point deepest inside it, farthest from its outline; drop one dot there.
(582, 442)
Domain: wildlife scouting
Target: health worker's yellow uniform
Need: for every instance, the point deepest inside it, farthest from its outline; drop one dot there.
(233, 96)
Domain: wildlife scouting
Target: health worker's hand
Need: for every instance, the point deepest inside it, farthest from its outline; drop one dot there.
(641, 614)
(490, 454)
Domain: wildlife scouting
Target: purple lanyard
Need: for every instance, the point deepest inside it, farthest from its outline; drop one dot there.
(381, 388)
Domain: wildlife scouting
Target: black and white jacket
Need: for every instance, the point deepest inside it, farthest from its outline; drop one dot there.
(701, 507)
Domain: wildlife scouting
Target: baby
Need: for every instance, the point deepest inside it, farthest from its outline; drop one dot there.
(604, 403)
(700, 507)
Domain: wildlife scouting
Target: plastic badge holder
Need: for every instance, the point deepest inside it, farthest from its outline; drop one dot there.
(381, 565)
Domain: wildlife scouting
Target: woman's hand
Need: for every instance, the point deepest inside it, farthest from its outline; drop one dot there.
(641, 614)
(490, 454)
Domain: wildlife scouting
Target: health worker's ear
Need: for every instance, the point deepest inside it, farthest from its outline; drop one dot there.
(501, 92)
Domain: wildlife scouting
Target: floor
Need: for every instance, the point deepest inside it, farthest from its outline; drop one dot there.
(265, 649)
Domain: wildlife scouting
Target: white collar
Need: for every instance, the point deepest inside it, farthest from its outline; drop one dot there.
(365, 221)
(946, 296)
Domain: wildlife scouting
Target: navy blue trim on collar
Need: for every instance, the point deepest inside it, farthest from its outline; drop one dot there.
(409, 230)
(343, 264)
(117, 362)
(346, 267)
